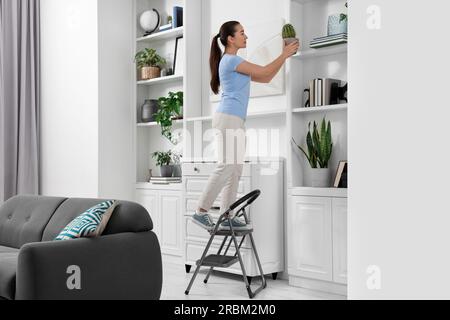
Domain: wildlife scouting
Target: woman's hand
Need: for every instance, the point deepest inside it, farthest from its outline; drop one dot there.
(291, 49)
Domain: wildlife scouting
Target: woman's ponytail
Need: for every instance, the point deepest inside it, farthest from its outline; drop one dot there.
(227, 29)
(214, 61)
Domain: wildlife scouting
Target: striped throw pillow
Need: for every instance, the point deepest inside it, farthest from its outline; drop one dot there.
(89, 224)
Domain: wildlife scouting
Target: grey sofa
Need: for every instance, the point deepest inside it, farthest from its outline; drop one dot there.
(125, 263)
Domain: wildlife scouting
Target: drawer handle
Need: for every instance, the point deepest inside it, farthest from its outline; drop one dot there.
(196, 169)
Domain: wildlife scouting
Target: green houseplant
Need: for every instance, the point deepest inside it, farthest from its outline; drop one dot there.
(149, 63)
(344, 17)
(318, 153)
(170, 108)
(164, 160)
(289, 34)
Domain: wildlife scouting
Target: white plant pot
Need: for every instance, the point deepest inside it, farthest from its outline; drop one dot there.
(318, 178)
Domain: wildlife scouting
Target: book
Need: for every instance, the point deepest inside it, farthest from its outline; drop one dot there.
(341, 175)
(312, 94)
(317, 41)
(340, 35)
(328, 44)
(327, 40)
(166, 178)
(328, 95)
(177, 17)
(319, 92)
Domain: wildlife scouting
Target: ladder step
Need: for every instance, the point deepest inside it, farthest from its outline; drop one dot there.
(239, 233)
(219, 261)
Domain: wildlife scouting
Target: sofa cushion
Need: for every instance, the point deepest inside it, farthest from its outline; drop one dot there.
(8, 267)
(24, 218)
(90, 224)
(7, 249)
(127, 217)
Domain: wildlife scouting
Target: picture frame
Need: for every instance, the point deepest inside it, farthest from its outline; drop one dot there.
(340, 180)
(178, 63)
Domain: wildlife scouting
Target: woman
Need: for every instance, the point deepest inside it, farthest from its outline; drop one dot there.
(234, 75)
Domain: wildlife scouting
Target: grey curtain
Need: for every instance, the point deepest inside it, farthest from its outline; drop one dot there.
(19, 97)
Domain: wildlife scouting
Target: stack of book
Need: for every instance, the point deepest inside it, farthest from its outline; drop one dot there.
(162, 180)
(323, 92)
(329, 41)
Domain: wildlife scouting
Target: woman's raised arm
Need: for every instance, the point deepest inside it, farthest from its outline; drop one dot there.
(266, 74)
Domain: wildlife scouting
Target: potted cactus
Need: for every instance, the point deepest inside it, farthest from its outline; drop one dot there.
(149, 63)
(289, 34)
(320, 148)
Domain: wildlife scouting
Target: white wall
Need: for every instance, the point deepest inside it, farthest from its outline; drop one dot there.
(115, 81)
(86, 92)
(248, 13)
(69, 97)
(398, 148)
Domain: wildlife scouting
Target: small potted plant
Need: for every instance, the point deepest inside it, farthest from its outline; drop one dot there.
(149, 63)
(170, 108)
(289, 34)
(338, 23)
(176, 158)
(164, 160)
(320, 148)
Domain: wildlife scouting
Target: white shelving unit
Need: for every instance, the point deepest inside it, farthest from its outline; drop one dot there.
(309, 17)
(316, 230)
(164, 202)
(147, 137)
(281, 114)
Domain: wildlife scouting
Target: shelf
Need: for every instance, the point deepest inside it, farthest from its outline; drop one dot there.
(255, 115)
(164, 35)
(338, 107)
(161, 80)
(322, 52)
(319, 192)
(155, 124)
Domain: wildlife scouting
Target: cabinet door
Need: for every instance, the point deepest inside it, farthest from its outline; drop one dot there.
(310, 238)
(340, 240)
(171, 223)
(149, 200)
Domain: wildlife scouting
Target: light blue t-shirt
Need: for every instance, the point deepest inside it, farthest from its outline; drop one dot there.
(235, 87)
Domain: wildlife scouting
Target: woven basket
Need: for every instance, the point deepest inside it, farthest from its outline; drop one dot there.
(148, 73)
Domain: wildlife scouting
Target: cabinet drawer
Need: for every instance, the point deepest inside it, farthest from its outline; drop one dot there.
(207, 169)
(198, 185)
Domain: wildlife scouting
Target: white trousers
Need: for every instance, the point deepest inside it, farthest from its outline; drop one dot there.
(231, 143)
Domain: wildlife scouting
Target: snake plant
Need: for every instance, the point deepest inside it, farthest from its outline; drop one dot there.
(320, 145)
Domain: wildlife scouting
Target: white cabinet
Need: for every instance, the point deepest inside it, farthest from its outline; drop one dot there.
(340, 240)
(164, 207)
(266, 215)
(317, 242)
(310, 238)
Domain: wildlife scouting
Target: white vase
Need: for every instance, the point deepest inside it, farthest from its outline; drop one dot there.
(318, 178)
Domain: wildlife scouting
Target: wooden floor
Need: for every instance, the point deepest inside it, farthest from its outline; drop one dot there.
(224, 286)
